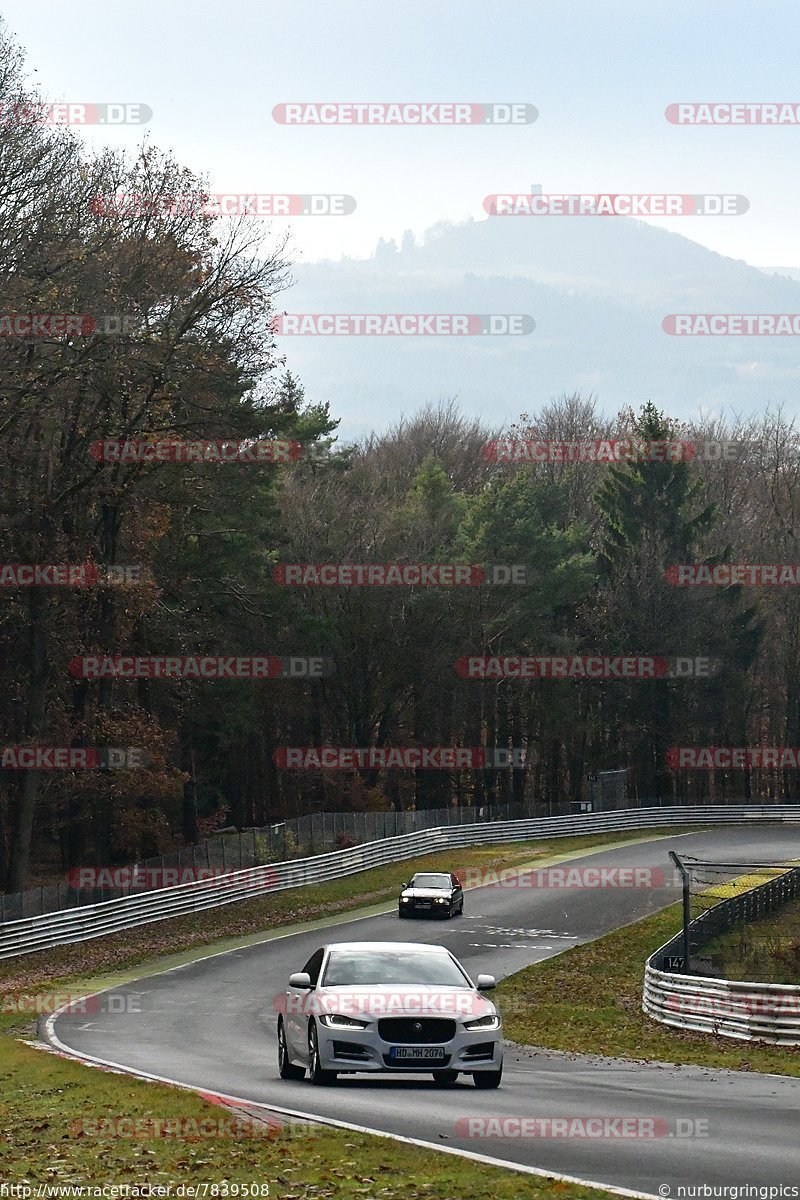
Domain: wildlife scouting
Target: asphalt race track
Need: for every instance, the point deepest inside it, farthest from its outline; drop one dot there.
(211, 1025)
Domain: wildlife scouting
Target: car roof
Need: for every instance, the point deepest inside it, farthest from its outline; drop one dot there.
(392, 947)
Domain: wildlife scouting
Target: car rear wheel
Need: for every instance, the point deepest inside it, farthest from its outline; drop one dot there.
(286, 1069)
(315, 1071)
(488, 1079)
(445, 1077)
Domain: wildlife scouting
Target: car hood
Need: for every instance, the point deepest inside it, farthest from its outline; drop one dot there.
(403, 1000)
(425, 893)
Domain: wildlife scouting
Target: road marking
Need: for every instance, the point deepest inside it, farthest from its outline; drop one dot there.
(107, 1065)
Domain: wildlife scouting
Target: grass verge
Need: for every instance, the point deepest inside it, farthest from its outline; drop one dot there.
(765, 951)
(45, 1098)
(589, 1001)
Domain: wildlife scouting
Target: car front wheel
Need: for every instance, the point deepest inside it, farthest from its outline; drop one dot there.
(488, 1079)
(315, 1071)
(286, 1069)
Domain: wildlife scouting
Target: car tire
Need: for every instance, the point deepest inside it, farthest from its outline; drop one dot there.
(401, 912)
(286, 1068)
(488, 1079)
(315, 1072)
(445, 1077)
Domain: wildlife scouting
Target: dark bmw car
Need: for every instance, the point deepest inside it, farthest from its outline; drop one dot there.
(432, 893)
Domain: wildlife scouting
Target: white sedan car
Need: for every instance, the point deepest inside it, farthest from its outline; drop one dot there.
(391, 1007)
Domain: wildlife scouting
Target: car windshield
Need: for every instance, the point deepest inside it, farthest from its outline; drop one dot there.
(431, 881)
(354, 967)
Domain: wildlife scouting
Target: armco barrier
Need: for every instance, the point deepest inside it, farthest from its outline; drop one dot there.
(96, 920)
(768, 1012)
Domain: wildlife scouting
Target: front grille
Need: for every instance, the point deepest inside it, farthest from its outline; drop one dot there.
(416, 1030)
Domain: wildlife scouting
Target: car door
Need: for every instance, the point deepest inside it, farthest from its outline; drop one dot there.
(297, 1009)
(457, 895)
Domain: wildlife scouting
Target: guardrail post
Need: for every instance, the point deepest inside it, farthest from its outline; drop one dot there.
(687, 909)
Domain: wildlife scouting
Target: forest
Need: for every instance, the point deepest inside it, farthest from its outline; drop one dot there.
(156, 322)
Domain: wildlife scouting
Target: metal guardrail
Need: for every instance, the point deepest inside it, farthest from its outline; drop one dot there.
(293, 837)
(97, 920)
(768, 1012)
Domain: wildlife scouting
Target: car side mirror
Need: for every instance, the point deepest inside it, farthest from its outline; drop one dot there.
(300, 979)
(485, 983)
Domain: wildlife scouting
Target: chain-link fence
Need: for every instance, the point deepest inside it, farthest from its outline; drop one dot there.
(295, 837)
(741, 920)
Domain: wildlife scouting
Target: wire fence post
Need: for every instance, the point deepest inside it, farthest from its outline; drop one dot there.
(687, 908)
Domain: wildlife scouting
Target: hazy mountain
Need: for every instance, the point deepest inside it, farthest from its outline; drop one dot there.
(597, 288)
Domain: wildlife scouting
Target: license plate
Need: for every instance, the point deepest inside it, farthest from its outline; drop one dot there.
(427, 1053)
(423, 904)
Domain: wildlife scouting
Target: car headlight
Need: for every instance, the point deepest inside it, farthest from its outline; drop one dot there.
(492, 1021)
(441, 900)
(405, 899)
(340, 1021)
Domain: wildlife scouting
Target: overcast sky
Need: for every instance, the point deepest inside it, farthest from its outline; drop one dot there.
(600, 73)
